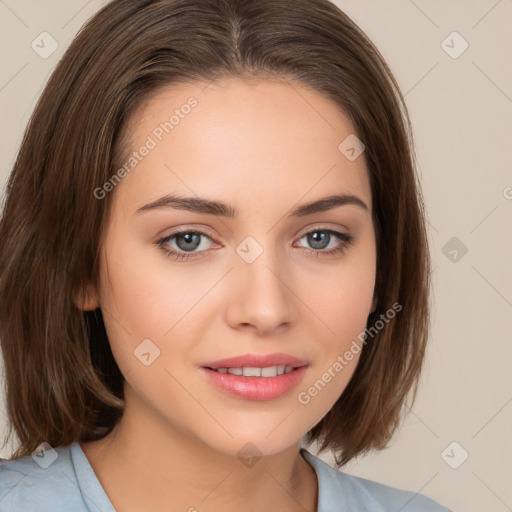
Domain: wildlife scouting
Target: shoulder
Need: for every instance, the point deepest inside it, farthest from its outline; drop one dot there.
(337, 488)
(43, 482)
(391, 498)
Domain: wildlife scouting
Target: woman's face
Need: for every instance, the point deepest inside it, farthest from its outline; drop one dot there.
(261, 281)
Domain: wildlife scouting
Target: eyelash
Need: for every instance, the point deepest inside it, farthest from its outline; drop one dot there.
(346, 241)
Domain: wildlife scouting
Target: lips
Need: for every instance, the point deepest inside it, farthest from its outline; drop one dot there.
(256, 387)
(257, 360)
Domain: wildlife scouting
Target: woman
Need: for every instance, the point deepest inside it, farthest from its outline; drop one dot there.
(212, 248)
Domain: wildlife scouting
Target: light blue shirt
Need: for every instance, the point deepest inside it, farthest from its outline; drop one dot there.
(62, 480)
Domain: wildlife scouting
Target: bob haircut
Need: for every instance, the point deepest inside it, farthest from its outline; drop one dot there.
(62, 382)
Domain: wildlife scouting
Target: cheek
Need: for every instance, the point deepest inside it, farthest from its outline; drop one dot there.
(133, 296)
(144, 296)
(341, 297)
(137, 301)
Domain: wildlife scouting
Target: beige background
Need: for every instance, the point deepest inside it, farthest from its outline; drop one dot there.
(461, 110)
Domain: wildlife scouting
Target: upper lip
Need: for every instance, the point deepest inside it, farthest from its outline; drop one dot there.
(256, 361)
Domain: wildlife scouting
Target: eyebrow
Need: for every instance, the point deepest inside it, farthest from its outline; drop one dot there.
(211, 207)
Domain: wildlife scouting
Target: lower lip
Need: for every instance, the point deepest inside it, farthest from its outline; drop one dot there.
(256, 388)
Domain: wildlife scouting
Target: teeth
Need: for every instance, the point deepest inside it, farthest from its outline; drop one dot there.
(251, 371)
(271, 371)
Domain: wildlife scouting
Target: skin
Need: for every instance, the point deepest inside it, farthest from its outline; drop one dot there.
(264, 147)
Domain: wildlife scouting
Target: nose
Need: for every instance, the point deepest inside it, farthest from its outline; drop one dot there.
(261, 296)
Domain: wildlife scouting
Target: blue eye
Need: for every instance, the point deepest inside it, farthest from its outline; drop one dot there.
(185, 241)
(183, 245)
(320, 239)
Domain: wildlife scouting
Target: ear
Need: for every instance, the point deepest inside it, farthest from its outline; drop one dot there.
(86, 298)
(374, 304)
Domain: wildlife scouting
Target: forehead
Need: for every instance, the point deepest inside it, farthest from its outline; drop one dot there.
(264, 138)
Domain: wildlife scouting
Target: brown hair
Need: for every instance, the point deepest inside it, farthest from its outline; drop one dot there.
(62, 382)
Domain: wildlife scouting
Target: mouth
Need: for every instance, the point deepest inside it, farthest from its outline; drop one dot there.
(256, 377)
(255, 371)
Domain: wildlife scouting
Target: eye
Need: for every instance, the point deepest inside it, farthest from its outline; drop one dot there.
(183, 244)
(327, 242)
